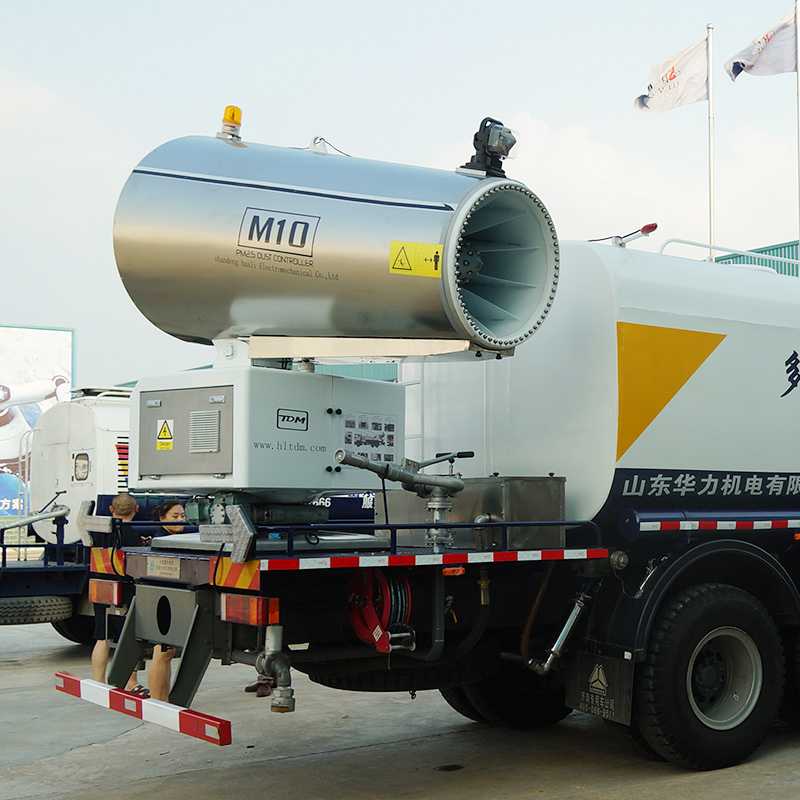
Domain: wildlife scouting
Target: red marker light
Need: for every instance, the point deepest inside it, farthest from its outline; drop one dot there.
(648, 229)
(249, 609)
(108, 593)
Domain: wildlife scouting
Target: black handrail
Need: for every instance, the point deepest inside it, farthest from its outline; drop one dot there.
(368, 527)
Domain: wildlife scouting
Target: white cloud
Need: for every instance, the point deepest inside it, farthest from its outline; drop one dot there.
(591, 189)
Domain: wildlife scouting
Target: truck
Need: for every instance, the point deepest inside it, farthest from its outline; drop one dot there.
(76, 451)
(586, 482)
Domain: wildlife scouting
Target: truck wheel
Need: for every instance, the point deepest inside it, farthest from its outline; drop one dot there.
(456, 698)
(713, 678)
(78, 628)
(516, 697)
(28, 610)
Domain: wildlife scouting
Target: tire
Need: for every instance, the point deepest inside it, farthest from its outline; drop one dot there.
(78, 629)
(29, 610)
(516, 697)
(712, 681)
(456, 698)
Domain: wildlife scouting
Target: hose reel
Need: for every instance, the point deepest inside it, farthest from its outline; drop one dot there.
(379, 608)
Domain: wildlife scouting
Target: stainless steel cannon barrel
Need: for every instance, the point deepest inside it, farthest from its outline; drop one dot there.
(217, 239)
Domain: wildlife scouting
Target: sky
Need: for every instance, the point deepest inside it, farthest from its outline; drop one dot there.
(88, 88)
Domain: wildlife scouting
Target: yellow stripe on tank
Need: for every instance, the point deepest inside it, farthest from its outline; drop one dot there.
(653, 365)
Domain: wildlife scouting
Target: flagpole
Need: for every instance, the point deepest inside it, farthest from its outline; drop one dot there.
(797, 71)
(709, 56)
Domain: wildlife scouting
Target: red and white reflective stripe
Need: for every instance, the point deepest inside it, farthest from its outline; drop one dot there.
(720, 525)
(177, 718)
(430, 559)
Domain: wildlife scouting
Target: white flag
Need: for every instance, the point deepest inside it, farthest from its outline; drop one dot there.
(678, 81)
(773, 52)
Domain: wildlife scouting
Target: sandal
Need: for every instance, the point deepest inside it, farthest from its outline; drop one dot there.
(140, 691)
(262, 688)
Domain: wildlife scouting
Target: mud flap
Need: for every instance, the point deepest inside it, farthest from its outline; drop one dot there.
(600, 685)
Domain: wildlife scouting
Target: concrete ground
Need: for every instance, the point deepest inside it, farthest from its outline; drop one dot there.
(336, 745)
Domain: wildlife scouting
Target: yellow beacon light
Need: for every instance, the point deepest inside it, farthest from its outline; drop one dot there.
(231, 122)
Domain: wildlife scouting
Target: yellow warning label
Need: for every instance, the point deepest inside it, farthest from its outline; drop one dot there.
(416, 258)
(164, 437)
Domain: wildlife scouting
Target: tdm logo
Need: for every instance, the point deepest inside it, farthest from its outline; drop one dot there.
(293, 420)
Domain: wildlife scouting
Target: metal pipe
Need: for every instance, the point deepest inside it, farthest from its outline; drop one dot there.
(272, 662)
(58, 511)
(439, 504)
(282, 692)
(393, 472)
(555, 651)
(731, 251)
(524, 647)
(243, 657)
(481, 542)
(281, 668)
(437, 633)
(266, 664)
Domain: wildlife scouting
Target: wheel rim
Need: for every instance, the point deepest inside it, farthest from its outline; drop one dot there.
(724, 678)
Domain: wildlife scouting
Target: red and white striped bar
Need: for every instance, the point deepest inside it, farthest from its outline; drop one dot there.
(176, 718)
(430, 559)
(719, 525)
